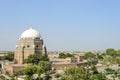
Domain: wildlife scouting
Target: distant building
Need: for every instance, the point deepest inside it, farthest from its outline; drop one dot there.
(30, 42)
(62, 64)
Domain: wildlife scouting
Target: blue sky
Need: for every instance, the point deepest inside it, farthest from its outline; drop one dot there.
(63, 24)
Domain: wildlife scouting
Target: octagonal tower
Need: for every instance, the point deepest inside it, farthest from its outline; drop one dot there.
(30, 42)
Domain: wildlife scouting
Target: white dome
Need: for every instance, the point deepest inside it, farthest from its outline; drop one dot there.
(30, 33)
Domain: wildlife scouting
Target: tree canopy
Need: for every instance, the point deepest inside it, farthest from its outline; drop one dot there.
(9, 56)
(65, 55)
(91, 57)
(44, 57)
(81, 73)
(32, 58)
(111, 52)
(45, 65)
(29, 71)
(40, 65)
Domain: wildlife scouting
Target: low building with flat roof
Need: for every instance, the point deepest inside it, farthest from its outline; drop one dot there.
(62, 64)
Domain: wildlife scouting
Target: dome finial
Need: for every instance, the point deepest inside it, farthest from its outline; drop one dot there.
(30, 26)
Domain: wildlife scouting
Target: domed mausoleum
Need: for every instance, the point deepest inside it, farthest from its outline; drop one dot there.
(30, 42)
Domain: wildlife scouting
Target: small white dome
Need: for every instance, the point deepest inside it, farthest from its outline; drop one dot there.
(30, 33)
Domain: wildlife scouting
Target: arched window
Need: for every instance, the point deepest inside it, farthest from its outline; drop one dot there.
(37, 46)
(28, 46)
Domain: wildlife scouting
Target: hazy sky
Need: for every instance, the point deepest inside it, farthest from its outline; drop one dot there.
(63, 24)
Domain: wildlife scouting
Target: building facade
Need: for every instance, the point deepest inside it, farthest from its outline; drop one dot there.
(62, 64)
(30, 42)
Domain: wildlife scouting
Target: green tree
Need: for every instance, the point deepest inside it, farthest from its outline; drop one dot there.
(63, 55)
(118, 53)
(47, 77)
(32, 58)
(57, 75)
(94, 69)
(39, 71)
(29, 71)
(17, 73)
(99, 56)
(75, 73)
(109, 71)
(99, 76)
(91, 57)
(111, 52)
(44, 58)
(9, 56)
(81, 73)
(45, 65)
(69, 55)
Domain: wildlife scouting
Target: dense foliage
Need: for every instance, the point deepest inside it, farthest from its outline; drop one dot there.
(81, 73)
(91, 57)
(45, 65)
(111, 56)
(34, 58)
(8, 56)
(65, 55)
(40, 65)
(44, 58)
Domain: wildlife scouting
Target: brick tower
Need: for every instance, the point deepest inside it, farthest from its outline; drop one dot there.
(30, 42)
